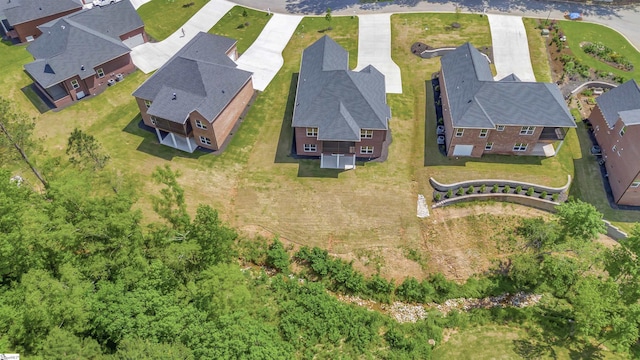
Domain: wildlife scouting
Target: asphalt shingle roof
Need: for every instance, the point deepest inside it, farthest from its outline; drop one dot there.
(21, 11)
(336, 100)
(620, 99)
(477, 101)
(77, 43)
(201, 75)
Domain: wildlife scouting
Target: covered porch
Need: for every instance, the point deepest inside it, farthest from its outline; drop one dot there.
(338, 161)
(176, 141)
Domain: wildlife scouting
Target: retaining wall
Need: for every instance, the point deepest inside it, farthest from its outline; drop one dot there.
(530, 201)
(489, 183)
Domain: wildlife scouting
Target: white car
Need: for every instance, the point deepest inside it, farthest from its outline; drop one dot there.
(104, 2)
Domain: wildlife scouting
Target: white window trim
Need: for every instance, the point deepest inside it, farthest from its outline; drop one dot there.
(101, 70)
(312, 132)
(484, 133)
(200, 125)
(77, 84)
(622, 131)
(635, 184)
(527, 130)
(367, 150)
(205, 140)
(488, 146)
(153, 120)
(366, 134)
(614, 148)
(459, 132)
(518, 147)
(310, 148)
(500, 128)
(148, 103)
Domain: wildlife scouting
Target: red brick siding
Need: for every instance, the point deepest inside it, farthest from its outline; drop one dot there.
(208, 132)
(377, 141)
(135, 32)
(379, 136)
(224, 123)
(30, 28)
(300, 134)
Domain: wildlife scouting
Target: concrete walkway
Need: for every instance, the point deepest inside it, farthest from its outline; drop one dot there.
(510, 47)
(137, 3)
(264, 56)
(374, 48)
(150, 56)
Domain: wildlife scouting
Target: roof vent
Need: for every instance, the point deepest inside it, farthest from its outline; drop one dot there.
(175, 96)
(62, 26)
(82, 67)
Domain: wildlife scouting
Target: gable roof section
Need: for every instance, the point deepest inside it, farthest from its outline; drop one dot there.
(23, 11)
(201, 75)
(114, 20)
(477, 101)
(617, 100)
(336, 100)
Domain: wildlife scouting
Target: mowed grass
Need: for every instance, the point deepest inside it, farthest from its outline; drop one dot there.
(162, 17)
(537, 51)
(233, 25)
(578, 32)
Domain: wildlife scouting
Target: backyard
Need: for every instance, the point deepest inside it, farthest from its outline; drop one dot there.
(241, 24)
(156, 22)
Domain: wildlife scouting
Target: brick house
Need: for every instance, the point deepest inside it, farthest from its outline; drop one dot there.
(197, 97)
(80, 54)
(507, 117)
(339, 115)
(616, 126)
(20, 19)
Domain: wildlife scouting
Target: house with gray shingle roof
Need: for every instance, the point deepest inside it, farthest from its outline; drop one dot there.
(197, 97)
(20, 18)
(616, 126)
(80, 54)
(339, 115)
(508, 117)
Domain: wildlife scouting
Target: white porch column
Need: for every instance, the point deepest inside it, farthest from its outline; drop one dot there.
(189, 144)
(159, 136)
(173, 138)
(321, 161)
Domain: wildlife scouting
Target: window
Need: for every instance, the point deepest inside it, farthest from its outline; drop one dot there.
(312, 132)
(527, 130)
(500, 128)
(488, 146)
(614, 148)
(205, 140)
(148, 103)
(75, 84)
(100, 73)
(366, 134)
(366, 149)
(520, 147)
(483, 133)
(623, 130)
(310, 147)
(200, 125)
(153, 120)
(459, 132)
(635, 184)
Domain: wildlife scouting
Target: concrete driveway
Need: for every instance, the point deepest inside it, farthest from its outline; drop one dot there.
(264, 56)
(374, 48)
(150, 56)
(510, 47)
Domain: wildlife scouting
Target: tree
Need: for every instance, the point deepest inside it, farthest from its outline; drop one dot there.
(216, 240)
(622, 264)
(83, 148)
(170, 205)
(277, 256)
(540, 234)
(327, 15)
(580, 220)
(17, 129)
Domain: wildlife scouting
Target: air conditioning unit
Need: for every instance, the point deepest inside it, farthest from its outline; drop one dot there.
(119, 77)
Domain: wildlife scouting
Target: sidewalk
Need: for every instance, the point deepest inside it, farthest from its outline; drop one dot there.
(374, 48)
(264, 56)
(150, 56)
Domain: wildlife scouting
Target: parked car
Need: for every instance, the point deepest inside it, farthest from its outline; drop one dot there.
(104, 2)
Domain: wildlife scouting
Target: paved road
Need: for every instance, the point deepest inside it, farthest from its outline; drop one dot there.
(150, 56)
(374, 48)
(264, 56)
(625, 20)
(510, 47)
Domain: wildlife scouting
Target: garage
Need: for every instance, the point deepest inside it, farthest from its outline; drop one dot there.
(462, 150)
(134, 41)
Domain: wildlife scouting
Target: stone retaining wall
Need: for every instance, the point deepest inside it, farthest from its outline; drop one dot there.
(533, 202)
(490, 182)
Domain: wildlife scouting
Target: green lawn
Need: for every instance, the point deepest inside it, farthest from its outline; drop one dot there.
(578, 32)
(233, 25)
(537, 51)
(163, 17)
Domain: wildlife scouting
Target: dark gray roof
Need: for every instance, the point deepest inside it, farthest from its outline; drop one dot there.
(201, 75)
(114, 20)
(477, 101)
(21, 11)
(337, 101)
(624, 97)
(630, 117)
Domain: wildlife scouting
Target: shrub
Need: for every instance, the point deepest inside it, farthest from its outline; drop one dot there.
(530, 191)
(482, 188)
(437, 197)
(495, 188)
(449, 194)
(277, 257)
(471, 190)
(245, 13)
(554, 197)
(246, 24)
(518, 189)
(543, 195)
(241, 26)
(460, 191)
(506, 189)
